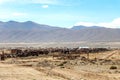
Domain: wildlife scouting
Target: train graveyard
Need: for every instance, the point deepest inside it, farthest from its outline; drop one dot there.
(60, 64)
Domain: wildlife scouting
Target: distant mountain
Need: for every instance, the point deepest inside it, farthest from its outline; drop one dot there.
(84, 27)
(28, 25)
(78, 27)
(29, 31)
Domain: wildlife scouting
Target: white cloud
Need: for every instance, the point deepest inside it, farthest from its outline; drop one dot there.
(45, 1)
(85, 24)
(1, 1)
(113, 24)
(18, 14)
(13, 15)
(30, 1)
(45, 6)
(4, 1)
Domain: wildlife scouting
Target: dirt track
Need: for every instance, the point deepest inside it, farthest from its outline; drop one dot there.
(13, 72)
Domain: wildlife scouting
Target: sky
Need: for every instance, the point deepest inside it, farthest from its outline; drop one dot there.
(63, 13)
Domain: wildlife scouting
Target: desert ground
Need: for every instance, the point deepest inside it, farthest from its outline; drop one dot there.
(99, 66)
(63, 44)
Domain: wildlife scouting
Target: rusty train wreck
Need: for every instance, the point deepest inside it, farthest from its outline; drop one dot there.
(61, 53)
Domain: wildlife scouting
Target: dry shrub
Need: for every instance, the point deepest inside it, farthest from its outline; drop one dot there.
(113, 67)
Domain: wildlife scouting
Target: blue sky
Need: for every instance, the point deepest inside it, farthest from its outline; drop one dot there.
(63, 13)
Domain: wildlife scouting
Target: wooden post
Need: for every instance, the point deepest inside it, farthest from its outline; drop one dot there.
(2, 56)
(87, 55)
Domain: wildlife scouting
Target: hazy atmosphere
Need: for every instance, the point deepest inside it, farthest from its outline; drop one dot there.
(63, 13)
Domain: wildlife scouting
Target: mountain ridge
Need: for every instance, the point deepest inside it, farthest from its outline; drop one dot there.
(84, 27)
(13, 31)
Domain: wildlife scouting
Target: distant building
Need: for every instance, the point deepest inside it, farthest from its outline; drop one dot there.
(81, 47)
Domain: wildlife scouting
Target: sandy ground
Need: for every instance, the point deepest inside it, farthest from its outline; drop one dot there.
(48, 69)
(13, 72)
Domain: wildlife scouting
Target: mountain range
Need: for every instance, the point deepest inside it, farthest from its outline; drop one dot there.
(31, 32)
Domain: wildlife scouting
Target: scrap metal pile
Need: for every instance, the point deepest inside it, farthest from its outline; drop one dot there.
(61, 53)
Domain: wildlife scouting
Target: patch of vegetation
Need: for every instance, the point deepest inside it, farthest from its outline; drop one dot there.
(113, 67)
(62, 64)
(62, 67)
